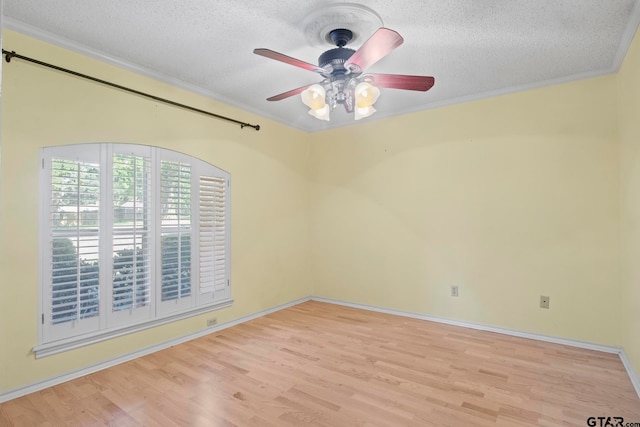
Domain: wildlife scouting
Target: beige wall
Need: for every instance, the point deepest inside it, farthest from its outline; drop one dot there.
(270, 193)
(629, 121)
(509, 198)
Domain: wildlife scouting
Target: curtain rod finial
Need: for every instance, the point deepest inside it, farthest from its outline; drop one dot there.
(8, 55)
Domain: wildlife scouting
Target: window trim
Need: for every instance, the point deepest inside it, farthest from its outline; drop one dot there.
(199, 303)
(60, 346)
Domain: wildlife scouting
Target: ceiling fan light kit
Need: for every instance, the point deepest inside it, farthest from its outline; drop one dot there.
(343, 69)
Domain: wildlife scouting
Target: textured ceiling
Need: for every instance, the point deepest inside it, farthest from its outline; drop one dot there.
(473, 48)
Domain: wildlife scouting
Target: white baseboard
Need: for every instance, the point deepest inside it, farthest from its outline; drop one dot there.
(59, 379)
(633, 376)
(635, 381)
(40, 385)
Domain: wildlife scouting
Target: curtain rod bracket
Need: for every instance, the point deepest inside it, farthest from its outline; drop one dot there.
(9, 55)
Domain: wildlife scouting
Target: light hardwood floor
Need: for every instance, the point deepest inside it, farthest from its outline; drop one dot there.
(318, 364)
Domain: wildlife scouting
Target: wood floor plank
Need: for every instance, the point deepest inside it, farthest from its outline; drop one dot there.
(318, 364)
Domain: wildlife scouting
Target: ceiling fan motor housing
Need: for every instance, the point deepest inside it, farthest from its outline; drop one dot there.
(333, 60)
(337, 83)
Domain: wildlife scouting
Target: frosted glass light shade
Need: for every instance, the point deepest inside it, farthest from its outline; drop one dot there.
(313, 97)
(366, 95)
(361, 113)
(321, 113)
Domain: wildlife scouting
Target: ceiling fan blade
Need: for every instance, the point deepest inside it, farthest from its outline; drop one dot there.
(288, 94)
(268, 53)
(382, 42)
(400, 81)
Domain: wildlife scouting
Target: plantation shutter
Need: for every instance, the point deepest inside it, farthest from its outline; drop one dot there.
(75, 240)
(175, 224)
(213, 234)
(71, 270)
(131, 268)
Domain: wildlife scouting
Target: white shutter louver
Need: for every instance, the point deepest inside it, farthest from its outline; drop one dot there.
(212, 233)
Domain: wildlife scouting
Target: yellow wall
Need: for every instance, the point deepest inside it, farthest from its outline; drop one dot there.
(509, 198)
(629, 130)
(270, 193)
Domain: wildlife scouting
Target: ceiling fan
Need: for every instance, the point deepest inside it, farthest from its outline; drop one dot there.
(345, 81)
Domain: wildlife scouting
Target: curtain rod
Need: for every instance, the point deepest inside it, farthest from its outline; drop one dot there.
(11, 55)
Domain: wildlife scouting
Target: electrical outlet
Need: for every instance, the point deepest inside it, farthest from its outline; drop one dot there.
(544, 301)
(212, 321)
(454, 290)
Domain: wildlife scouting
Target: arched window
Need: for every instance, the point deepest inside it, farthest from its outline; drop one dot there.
(133, 236)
